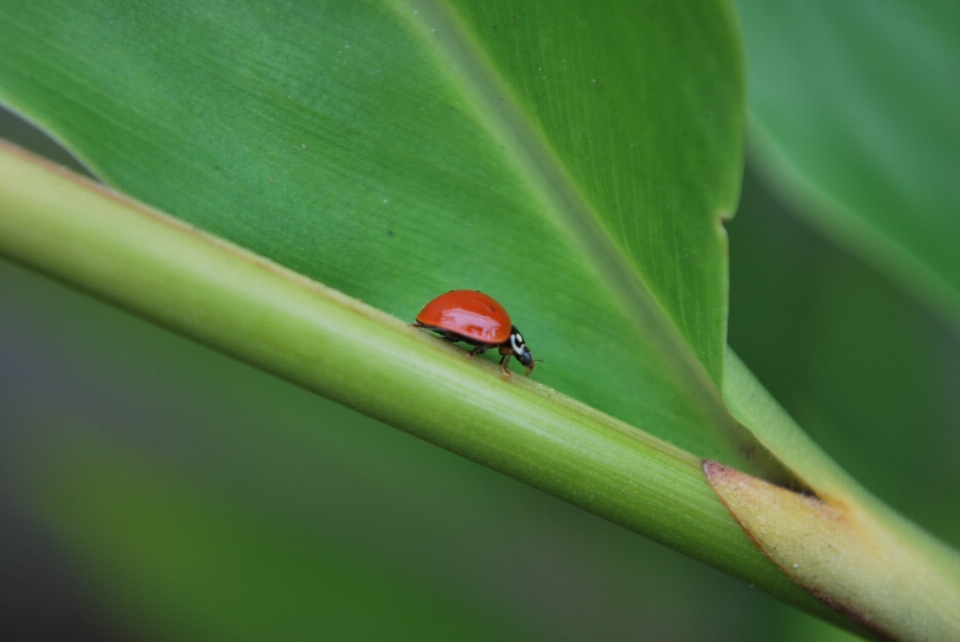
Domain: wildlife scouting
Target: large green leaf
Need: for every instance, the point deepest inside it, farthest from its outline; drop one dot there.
(854, 114)
(574, 163)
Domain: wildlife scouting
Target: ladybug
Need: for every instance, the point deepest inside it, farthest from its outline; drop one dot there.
(475, 318)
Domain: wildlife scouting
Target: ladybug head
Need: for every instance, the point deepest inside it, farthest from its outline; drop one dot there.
(520, 350)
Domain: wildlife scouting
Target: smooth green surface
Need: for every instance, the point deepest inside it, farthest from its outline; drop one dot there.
(81, 382)
(264, 314)
(853, 108)
(397, 150)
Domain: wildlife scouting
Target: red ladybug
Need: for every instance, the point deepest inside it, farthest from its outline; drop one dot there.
(475, 318)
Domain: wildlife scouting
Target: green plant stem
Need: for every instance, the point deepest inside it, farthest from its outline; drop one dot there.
(324, 341)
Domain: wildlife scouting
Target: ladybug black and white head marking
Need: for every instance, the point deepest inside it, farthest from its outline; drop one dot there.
(520, 350)
(517, 345)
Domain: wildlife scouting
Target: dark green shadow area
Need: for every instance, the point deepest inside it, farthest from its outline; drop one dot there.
(19, 132)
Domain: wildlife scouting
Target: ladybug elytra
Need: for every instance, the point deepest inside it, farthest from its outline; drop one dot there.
(475, 318)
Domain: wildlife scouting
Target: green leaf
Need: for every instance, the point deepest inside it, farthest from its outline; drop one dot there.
(574, 164)
(853, 112)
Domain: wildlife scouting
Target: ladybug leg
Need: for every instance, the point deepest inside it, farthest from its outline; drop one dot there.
(478, 350)
(505, 353)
